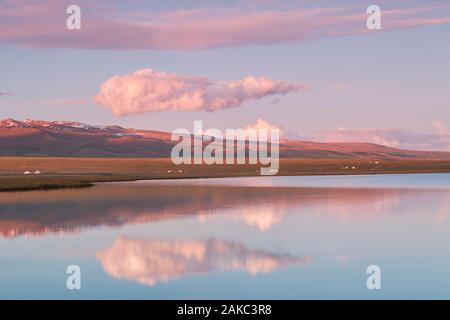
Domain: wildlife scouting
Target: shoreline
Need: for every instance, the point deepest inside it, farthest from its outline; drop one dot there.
(68, 183)
(66, 173)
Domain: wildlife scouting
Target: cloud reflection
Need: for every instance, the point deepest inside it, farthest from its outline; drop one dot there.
(153, 261)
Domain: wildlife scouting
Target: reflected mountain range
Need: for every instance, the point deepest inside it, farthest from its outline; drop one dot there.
(150, 262)
(60, 211)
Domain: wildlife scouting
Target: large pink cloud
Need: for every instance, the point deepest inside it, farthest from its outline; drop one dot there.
(41, 24)
(147, 90)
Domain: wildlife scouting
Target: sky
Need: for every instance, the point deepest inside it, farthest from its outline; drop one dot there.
(311, 68)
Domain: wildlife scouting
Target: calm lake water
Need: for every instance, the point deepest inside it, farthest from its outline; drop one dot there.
(241, 238)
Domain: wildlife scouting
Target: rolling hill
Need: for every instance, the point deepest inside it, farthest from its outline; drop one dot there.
(73, 139)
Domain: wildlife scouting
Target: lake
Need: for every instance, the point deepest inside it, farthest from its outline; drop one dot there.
(232, 238)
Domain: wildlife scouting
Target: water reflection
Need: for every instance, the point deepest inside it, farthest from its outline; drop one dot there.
(61, 211)
(151, 261)
(154, 233)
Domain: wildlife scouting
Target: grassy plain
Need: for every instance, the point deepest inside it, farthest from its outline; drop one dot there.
(84, 172)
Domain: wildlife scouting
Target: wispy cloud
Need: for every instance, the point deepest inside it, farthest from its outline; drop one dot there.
(147, 90)
(41, 24)
(4, 94)
(438, 141)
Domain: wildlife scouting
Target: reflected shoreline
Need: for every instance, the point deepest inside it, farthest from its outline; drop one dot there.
(66, 211)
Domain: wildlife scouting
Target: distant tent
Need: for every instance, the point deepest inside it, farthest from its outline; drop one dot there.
(27, 172)
(37, 172)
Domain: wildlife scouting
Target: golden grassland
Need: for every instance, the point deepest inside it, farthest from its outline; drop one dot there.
(83, 172)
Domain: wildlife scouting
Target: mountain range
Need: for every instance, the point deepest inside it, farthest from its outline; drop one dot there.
(67, 138)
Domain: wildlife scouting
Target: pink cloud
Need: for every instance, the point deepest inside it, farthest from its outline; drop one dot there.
(439, 126)
(147, 90)
(262, 124)
(41, 24)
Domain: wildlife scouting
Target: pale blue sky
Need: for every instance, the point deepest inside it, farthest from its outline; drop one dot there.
(397, 79)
